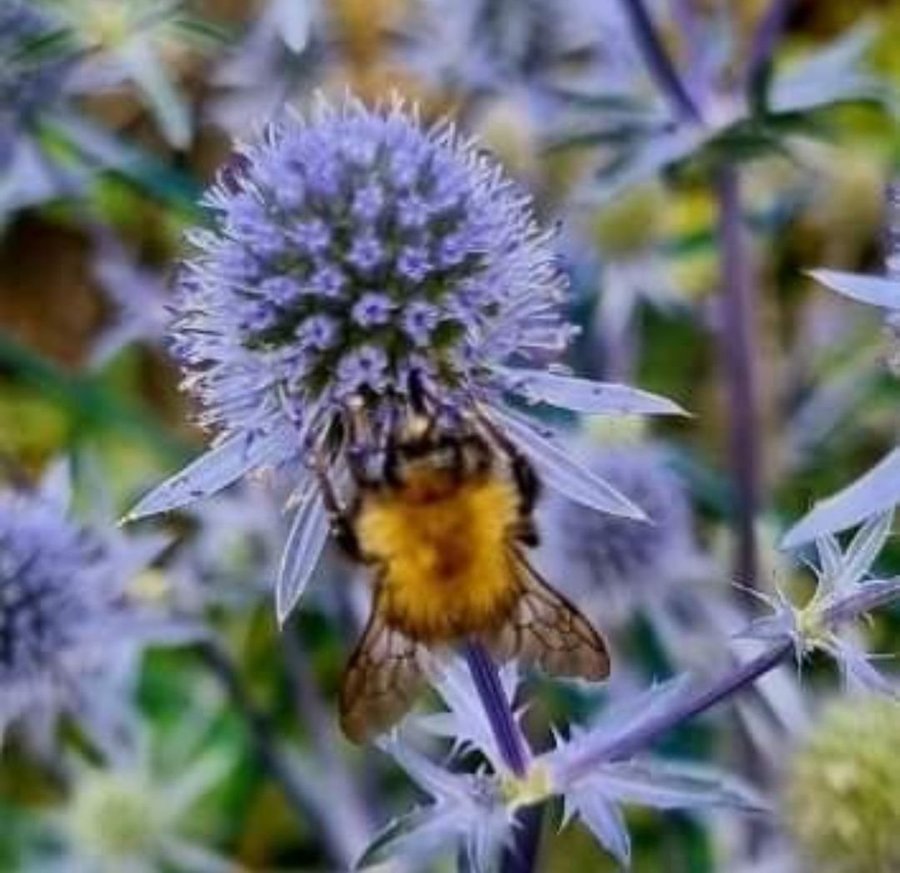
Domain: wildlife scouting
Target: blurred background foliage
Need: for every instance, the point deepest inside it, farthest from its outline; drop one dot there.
(95, 256)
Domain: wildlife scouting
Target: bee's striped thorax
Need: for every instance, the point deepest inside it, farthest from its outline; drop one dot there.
(442, 550)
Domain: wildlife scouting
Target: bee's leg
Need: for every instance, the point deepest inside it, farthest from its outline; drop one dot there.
(523, 472)
(526, 532)
(340, 521)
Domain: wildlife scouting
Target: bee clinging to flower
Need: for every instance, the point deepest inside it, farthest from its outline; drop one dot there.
(354, 260)
(443, 513)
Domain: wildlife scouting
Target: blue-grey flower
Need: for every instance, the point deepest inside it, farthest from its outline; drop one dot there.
(27, 81)
(298, 310)
(621, 563)
(134, 42)
(67, 626)
(478, 810)
(137, 296)
(844, 592)
(595, 792)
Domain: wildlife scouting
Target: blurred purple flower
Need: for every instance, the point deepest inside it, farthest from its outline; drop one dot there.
(31, 82)
(68, 628)
(138, 298)
(620, 564)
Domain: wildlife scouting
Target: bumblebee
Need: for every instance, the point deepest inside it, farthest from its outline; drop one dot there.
(443, 514)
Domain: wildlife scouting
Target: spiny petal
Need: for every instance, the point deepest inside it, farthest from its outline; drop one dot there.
(876, 290)
(565, 474)
(304, 545)
(584, 395)
(875, 492)
(673, 785)
(213, 471)
(605, 821)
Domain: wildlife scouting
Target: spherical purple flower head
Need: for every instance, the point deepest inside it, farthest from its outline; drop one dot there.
(619, 559)
(66, 627)
(348, 254)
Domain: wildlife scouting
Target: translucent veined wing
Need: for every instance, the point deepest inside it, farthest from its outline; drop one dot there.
(547, 630)
(382, 679)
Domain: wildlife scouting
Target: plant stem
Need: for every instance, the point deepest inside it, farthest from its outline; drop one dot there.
(349, 812)
(522, 855)
(738, 351)
(302, 792)
(622, 747)
(658, 62)
(762, 46)
(493, 698)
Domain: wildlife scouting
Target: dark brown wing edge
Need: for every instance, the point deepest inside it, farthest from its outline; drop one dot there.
(381, 681)
(548, 631)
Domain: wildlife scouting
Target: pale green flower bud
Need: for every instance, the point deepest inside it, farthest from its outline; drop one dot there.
(842, 798)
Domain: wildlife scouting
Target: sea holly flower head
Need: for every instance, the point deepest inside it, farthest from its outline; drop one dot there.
(67, 625)
(355, 255)
(584, 770)
(590, 772)
(844, 591)
(618, 562)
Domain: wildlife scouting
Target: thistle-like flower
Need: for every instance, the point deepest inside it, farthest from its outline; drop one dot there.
(479, 810)
(841, 801)
(67, 628)
(352, 257)
(619, 562)
(132, 41)
(844, 592)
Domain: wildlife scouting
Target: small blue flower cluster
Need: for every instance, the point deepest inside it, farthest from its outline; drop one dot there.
(607, 551)
(350, 252)
(51, 584)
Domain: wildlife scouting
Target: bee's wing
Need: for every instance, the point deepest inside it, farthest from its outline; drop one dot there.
(381, 681)
(547, 630)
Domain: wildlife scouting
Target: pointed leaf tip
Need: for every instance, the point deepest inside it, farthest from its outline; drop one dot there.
(874, 492)
(211, 472)
(306, 539)
(565, 474)
(585, 395)
(874, 290)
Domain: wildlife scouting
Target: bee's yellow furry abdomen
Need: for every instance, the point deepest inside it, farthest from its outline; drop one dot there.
(445, 564)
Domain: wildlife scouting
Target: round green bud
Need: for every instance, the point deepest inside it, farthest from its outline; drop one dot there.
(842, 798)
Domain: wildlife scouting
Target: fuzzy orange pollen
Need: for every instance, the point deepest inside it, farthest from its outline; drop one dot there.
(442, 547)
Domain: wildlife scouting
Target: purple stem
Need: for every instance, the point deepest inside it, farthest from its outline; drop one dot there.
(658, 62)
(892, 236)
(493, 698)
(767, 34)
(622, 747)
(739, 350)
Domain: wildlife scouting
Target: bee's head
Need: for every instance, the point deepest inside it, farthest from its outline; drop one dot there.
(428, 463)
